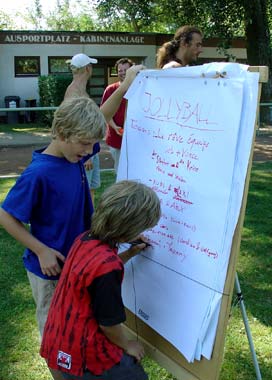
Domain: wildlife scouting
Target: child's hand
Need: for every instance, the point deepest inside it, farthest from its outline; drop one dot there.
(49, 263)
(135, 349)
(130, 75)
(140, 240)
(119, 131)
(88, 165)
(136, 246)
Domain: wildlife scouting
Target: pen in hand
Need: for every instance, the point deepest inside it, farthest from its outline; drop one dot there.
(139, 241)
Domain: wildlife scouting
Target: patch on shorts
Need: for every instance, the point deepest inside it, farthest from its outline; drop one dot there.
(64, 360)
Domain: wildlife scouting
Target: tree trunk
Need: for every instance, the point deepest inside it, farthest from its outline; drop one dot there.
(259, 52)
(135, 25)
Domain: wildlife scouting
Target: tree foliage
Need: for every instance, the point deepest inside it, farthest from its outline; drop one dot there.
(168, 15)
(130, 15)
(6, 22)
(34, 15)
(225, 19)
(63, 17)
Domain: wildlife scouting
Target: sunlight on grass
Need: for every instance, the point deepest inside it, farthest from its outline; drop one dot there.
(5, 185)
(24, 128)
(31, 130)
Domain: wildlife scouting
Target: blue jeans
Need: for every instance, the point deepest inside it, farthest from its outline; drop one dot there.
(127, 369)
(116, 157)
(93, 175)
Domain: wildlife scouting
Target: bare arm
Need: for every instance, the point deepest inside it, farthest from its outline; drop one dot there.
(47, 256)
(131, 252)
(116, 335)
(116, 127)
(111, 105)
(141, 244)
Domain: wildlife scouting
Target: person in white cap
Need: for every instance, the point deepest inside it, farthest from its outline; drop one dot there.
(111, 105)
(81, 67)
(82, 60)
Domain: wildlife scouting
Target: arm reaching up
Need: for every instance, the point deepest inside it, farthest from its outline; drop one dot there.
(111, 105)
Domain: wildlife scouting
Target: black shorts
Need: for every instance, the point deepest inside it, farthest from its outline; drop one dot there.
(127, 369)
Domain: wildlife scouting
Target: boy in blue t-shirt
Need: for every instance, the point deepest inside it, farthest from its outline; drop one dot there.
(52, 195)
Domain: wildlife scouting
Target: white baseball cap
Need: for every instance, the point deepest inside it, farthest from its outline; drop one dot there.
(81, 60)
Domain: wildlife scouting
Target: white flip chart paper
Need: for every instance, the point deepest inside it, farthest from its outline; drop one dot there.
(187, 135)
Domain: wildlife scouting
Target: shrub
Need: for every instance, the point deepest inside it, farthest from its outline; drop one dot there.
(51, 90)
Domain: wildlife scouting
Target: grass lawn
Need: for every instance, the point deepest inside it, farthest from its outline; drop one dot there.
(19, 340)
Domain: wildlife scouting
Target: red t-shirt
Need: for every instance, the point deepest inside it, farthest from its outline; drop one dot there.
(72, 341)
(112, 138)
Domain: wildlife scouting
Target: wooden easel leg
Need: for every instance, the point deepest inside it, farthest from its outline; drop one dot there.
(240, 300)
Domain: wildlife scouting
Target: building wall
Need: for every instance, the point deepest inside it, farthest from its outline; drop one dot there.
(104, 46)
(28, 87)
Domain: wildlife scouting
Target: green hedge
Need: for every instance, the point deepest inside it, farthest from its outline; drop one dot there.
(51, 91)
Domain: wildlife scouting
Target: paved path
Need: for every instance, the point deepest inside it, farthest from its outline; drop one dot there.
(16, 150)
(23, 139)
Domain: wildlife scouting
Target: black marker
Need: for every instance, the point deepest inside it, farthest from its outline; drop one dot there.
(139, 241)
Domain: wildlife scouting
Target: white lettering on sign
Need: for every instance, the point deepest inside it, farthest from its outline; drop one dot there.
(65, 39)
(36, 38)
(108, 39)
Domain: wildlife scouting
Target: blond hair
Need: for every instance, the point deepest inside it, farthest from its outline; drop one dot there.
(125, 209)
(80, 118)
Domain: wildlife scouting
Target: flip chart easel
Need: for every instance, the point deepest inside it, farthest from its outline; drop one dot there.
(161, 350)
